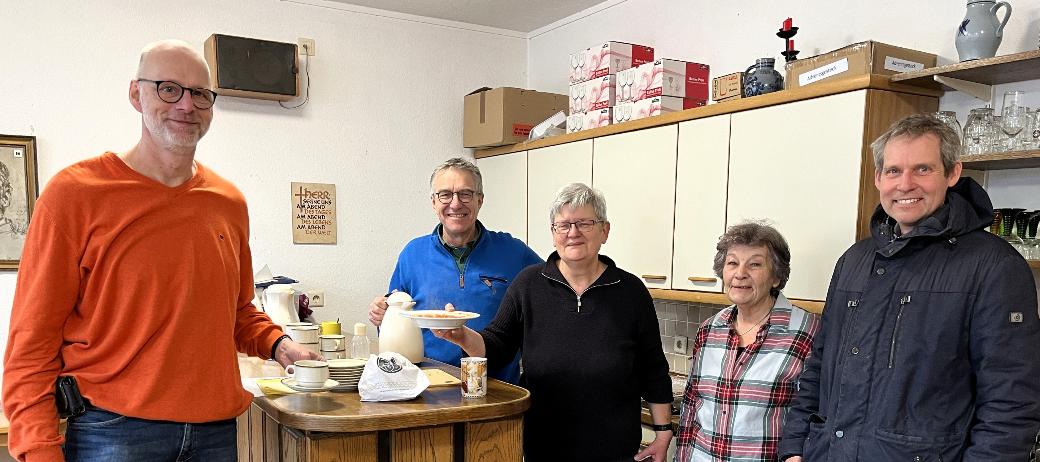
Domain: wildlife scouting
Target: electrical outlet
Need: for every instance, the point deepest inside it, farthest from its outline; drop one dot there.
(306, 46)
(316, 297)
(679, 345)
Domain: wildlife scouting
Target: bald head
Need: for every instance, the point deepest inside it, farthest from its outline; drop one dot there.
(159, 57)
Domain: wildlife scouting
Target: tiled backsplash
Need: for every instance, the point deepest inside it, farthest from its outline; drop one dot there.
(681, 319)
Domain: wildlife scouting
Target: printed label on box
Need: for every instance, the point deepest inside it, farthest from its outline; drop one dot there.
(586, 120)
(522, 129)
(823, 72)
(901, 65)
(592, 94)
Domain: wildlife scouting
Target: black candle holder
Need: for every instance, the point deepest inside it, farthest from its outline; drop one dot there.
(789, 55)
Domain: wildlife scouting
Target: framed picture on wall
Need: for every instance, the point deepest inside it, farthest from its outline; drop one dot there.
(18, 191)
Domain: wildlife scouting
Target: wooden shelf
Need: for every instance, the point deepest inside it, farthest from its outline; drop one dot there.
(1035, 264)
(990, 71)
(1003, 160)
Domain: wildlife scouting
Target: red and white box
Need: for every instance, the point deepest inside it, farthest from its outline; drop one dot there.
(664, 77)
(607, 59)
(649, 107)
(592, 94)
(585, 120)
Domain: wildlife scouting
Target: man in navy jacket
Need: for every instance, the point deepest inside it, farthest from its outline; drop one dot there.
(930, 346)
(460, 262)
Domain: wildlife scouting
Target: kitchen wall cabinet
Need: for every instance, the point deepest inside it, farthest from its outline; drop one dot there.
(636, 173)
(548, 170)
(798, 165)
(798, 158)
(505, 194)
(702, 174)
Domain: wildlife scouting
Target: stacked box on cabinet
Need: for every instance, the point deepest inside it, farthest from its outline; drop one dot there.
(727, 87)
(593, 81)
(494, 117)
(664, 85)
(858, 59)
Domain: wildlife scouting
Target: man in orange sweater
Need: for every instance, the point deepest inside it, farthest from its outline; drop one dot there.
(136, 280)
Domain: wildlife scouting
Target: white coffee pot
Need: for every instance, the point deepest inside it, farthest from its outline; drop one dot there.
(398, 333)
(279, 303)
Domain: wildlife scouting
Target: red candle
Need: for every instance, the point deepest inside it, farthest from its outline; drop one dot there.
(790, 44)
(787, 24)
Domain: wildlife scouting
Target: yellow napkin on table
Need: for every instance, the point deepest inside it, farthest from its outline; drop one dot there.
(274, 387)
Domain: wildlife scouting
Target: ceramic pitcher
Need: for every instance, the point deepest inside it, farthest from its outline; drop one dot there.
(980, 32)
(400, 334)
(760, 78)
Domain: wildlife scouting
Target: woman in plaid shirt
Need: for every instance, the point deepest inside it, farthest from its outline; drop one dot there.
(747, 358)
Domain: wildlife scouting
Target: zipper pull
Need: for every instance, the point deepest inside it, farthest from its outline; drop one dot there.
(853, 303)
(487, 282)
(905, 299)
(579, 303)
(462, 283)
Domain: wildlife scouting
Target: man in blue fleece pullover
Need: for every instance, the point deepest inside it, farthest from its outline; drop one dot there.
(460, 262)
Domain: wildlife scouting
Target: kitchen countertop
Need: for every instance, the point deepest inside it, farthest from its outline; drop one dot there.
(344, 412)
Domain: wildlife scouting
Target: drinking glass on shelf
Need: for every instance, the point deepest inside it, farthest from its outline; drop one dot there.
(950, 118)
(977, 131)
(998, 140)
(1031, 139)
(1014, 118)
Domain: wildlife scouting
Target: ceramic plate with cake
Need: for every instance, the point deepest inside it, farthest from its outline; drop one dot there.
(440, 319)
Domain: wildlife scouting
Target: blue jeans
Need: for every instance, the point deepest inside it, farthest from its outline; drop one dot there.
(103, 436)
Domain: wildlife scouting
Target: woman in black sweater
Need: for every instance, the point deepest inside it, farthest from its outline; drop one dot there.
(590, 344)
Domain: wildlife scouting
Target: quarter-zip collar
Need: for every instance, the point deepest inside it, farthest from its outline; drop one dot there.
(610, 276)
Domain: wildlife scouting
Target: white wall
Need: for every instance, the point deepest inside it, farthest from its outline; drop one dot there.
(385, 108)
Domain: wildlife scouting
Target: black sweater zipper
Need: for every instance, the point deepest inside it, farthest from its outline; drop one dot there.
(582, 292)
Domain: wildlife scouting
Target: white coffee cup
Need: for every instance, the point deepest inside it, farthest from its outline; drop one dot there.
(331, 342)
(309, 373)
(304, 334)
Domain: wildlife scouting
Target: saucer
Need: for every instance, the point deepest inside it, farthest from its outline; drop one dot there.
(291, 383)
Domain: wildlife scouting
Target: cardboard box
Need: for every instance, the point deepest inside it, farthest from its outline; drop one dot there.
(586, 120)
(607, 59)
(493, 117)
(663, 77)
(858, 59)
(727, 87)
(649, 107)
(592, 95)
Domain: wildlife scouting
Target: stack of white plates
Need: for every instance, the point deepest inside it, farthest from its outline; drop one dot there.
(347, 372)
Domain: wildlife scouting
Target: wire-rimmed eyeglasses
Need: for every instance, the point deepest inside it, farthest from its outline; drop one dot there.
(464, 195)
(172, 92)
(564, 227)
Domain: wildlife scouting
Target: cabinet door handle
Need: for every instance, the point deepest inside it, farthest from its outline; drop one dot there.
(654, 277)
(698, 279)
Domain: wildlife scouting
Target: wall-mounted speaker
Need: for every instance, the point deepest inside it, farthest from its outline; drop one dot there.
(251, 68)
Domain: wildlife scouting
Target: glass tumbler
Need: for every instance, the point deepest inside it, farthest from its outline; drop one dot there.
(977, 131)
(950, 118)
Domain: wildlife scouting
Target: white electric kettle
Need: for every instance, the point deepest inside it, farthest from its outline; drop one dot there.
(279, 304)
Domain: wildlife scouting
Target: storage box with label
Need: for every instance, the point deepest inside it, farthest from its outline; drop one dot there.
(727, 87)
(592, 94)
(585, 120)
(858, 59)
(663, 77)
(607, 59)
(494, 117)
(649, 107)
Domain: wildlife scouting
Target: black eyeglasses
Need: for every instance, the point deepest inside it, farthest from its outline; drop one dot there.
(465, 196)
(564, 227)
(171, 92)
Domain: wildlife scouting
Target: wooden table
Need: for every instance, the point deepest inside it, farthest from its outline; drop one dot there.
(439, 425)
